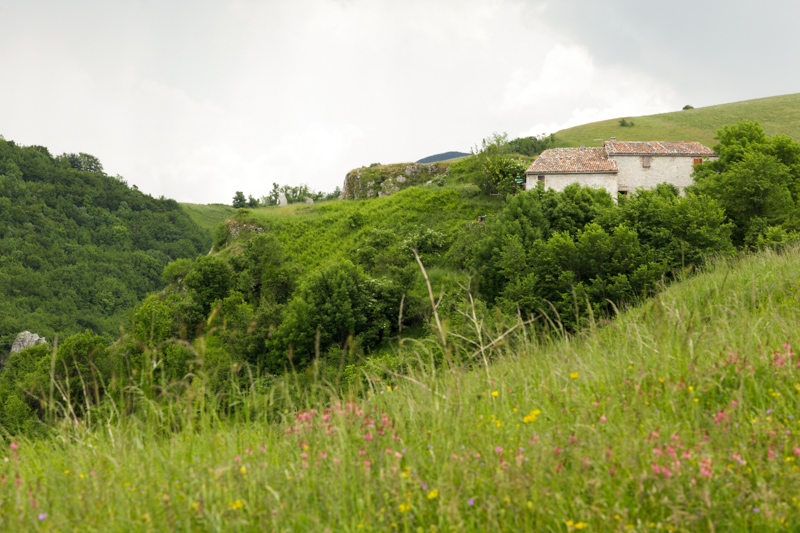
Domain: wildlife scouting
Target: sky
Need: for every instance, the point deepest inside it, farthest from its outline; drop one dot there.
(195, 100)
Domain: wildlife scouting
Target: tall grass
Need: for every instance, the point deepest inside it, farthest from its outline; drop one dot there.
(678, 415)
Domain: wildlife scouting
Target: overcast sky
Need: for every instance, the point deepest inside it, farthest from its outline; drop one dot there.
(197, 99)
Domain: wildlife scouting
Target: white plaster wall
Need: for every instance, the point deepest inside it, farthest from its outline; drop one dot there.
(607, 181)
(669, 169)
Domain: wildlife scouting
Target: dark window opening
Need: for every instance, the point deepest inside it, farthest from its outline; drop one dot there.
(540, 178)
(646, 161)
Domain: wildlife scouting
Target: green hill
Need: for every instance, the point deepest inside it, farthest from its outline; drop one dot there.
(78, 248)
(777, 115)
(326, 232)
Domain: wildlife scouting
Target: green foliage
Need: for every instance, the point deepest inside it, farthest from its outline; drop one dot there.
(331, 306)
(78, 248)
(499, 171)
(239, 200)
(756, 180)
(210, 279)
(176, 271)
(626, 123)
(531, 146)
(687, 107)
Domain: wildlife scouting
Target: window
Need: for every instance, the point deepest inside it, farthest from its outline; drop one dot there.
(540, 178)
(622, 193)
(646, 161)
(698, 161)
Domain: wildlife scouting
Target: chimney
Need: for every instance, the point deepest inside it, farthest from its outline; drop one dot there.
(613, 139)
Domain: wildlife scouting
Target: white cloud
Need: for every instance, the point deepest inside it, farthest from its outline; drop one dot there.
(570, 89)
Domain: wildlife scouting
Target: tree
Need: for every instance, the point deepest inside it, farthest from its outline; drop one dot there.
(209, 280)
(239, 200)
(337, 302)
(83, 162)
(756, 180)
(499, 171)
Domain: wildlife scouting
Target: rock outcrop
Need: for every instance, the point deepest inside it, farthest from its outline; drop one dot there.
(382, 180)
(26, 339)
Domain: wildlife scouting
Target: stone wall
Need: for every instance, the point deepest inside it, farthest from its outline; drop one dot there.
(603, 180)
(670, 169)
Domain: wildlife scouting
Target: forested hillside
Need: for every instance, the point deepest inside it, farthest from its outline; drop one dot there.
(78, 248)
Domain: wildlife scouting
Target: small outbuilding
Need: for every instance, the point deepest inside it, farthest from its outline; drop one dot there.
(619, 166)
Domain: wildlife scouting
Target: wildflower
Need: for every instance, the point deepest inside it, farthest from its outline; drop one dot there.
(470, 502)
(368, 436)
(42, 516)
(432, 495)
(404, 507)
(580, 525)
(238, 504)
(498, 449)
(603, 419)
(495, 393)
(573, 375)
(14, 446)
(243, 470)
(531, 417)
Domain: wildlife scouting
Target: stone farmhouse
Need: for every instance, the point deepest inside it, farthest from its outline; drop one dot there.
(619, 167)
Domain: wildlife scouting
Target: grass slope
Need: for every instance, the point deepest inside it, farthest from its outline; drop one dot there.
(328, 231)
(208, 216)
(777, 114)
(680, 415)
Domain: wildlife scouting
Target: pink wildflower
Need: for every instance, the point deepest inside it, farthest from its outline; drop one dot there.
(498, 449)
(705, 467)
(603, 419)
(368, 436)
(14, 446)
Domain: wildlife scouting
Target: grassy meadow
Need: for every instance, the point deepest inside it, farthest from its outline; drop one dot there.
(678, 415)
(777, 115)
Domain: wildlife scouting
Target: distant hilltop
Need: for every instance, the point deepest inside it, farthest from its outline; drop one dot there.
(442, 157)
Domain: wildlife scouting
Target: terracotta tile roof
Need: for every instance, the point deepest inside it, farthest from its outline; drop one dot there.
(572, 160)
(656, 148)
